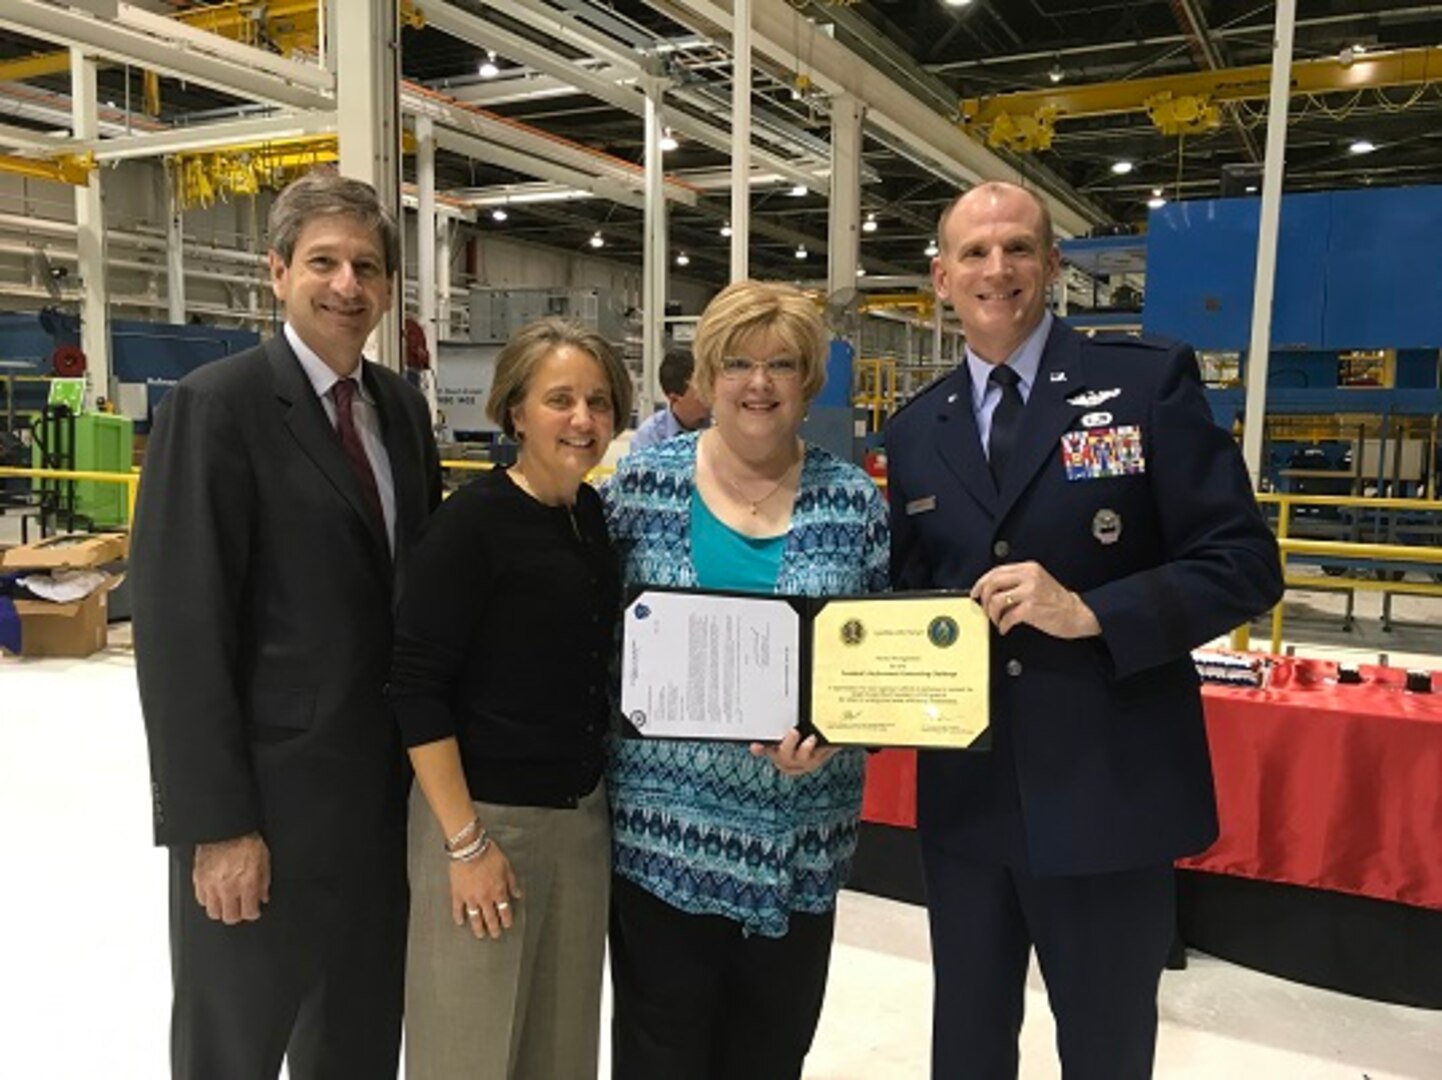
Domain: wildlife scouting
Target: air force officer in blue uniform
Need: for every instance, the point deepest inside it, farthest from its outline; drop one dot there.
(1082, 493)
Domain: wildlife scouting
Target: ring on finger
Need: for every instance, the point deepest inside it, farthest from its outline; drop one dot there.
(1010, 599)
(503, 905)
(473, 913)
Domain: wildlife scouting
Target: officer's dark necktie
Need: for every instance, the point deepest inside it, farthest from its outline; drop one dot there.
(1005, 420)
(355, 451)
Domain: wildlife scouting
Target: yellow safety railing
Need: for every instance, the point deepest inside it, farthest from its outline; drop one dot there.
(131, 480)
(599, 473)
(1346, 549)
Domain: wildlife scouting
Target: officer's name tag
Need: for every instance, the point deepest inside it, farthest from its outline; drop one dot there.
(1097, 453)
(921, 505)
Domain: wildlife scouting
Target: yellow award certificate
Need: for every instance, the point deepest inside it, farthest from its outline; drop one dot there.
(900, 671)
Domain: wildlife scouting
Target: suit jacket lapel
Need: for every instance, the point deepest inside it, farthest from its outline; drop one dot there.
(1048, 413)
(405, 459)
(957, 439)
(313, 431)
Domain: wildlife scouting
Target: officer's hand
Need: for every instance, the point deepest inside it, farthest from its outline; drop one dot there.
(1018, 593)
(232, 878)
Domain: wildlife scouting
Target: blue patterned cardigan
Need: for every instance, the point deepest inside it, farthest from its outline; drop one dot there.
(705, 826)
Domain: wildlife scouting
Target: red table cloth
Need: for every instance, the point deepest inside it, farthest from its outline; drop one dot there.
(1318, 784)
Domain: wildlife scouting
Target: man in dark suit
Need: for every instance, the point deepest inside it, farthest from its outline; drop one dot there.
(280, 488)
(1081, 492)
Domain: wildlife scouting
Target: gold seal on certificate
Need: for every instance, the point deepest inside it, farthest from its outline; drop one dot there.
(900, 670)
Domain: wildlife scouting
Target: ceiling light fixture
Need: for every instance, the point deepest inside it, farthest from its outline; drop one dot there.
(956, 3)
(499, 214)
(1251, 189)
(597, 240)
(488, 66)
(726, 229)
(1121, 168)
(799, 190)
(932, 249)
(668, 141)
(861, 271)
(682, 259)
(1362, 146)
(1156, 202)
(1056, 74)
(869, 225)
(801, 251)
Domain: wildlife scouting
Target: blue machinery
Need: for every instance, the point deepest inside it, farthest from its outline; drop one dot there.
(1353, 397)
(1356, 322)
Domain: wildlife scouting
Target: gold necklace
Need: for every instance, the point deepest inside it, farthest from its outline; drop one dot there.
(753, 504)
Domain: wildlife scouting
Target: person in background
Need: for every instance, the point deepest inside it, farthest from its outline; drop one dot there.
(1081, 492)
(281, 485)
(685, 410)
(727, 859)
(503, 641)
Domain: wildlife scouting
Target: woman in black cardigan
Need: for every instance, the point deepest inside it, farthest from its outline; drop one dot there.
(503, 635)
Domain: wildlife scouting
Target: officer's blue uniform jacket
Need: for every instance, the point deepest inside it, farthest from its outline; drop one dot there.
(1098, 758)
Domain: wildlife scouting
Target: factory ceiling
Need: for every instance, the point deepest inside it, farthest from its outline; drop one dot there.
(566, 71)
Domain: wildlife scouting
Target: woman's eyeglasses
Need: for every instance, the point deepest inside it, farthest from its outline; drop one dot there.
(740, 367)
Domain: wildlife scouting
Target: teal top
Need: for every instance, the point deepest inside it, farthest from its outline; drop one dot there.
(728, 559)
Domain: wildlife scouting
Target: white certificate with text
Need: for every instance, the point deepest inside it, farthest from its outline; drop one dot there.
(698, 666)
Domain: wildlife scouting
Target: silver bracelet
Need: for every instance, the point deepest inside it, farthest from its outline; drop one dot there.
(472, 826)
(472, 851)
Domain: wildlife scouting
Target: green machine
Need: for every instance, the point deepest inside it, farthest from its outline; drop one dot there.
(87, 442)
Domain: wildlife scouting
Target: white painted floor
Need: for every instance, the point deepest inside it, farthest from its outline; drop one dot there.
(86, 977)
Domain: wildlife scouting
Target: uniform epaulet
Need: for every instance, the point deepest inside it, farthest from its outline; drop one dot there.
(928, 388)
(1144, 341)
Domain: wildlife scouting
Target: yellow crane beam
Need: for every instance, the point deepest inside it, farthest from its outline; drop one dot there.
(63, 168)
(284, 26)
(252, 167)
(1184, 104)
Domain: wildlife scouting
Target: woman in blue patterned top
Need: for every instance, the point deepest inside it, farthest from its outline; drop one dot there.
(727, 858)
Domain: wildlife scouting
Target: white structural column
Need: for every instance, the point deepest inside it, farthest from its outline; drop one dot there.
(90, 239)
(741, 140)
(426, 248)
(367, 51)
(1259, 351)
(843, 231)
(653, 266)
(445, 230)
(174, 248)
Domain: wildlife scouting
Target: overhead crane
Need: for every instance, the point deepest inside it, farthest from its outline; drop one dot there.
(1184, 104)
(285, 26)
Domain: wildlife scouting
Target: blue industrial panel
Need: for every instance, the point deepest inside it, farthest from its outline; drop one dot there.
(1201, 259)
(143, 352)
(1416, 369)
(1384, 290)
(31, 338)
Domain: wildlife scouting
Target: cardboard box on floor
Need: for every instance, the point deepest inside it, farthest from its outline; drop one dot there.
(71, 630)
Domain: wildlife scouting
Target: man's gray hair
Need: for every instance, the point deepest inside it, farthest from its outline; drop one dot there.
(324, 193)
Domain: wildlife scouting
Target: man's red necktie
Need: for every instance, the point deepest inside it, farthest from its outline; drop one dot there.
(355, 452)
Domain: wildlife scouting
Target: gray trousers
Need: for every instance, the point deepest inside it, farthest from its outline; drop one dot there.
(528, 1006)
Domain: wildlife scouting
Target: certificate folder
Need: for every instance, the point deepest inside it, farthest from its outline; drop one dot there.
(891, 669)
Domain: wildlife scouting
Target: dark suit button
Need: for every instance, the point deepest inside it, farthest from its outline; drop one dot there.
(1001, 549)
(1013, 668)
